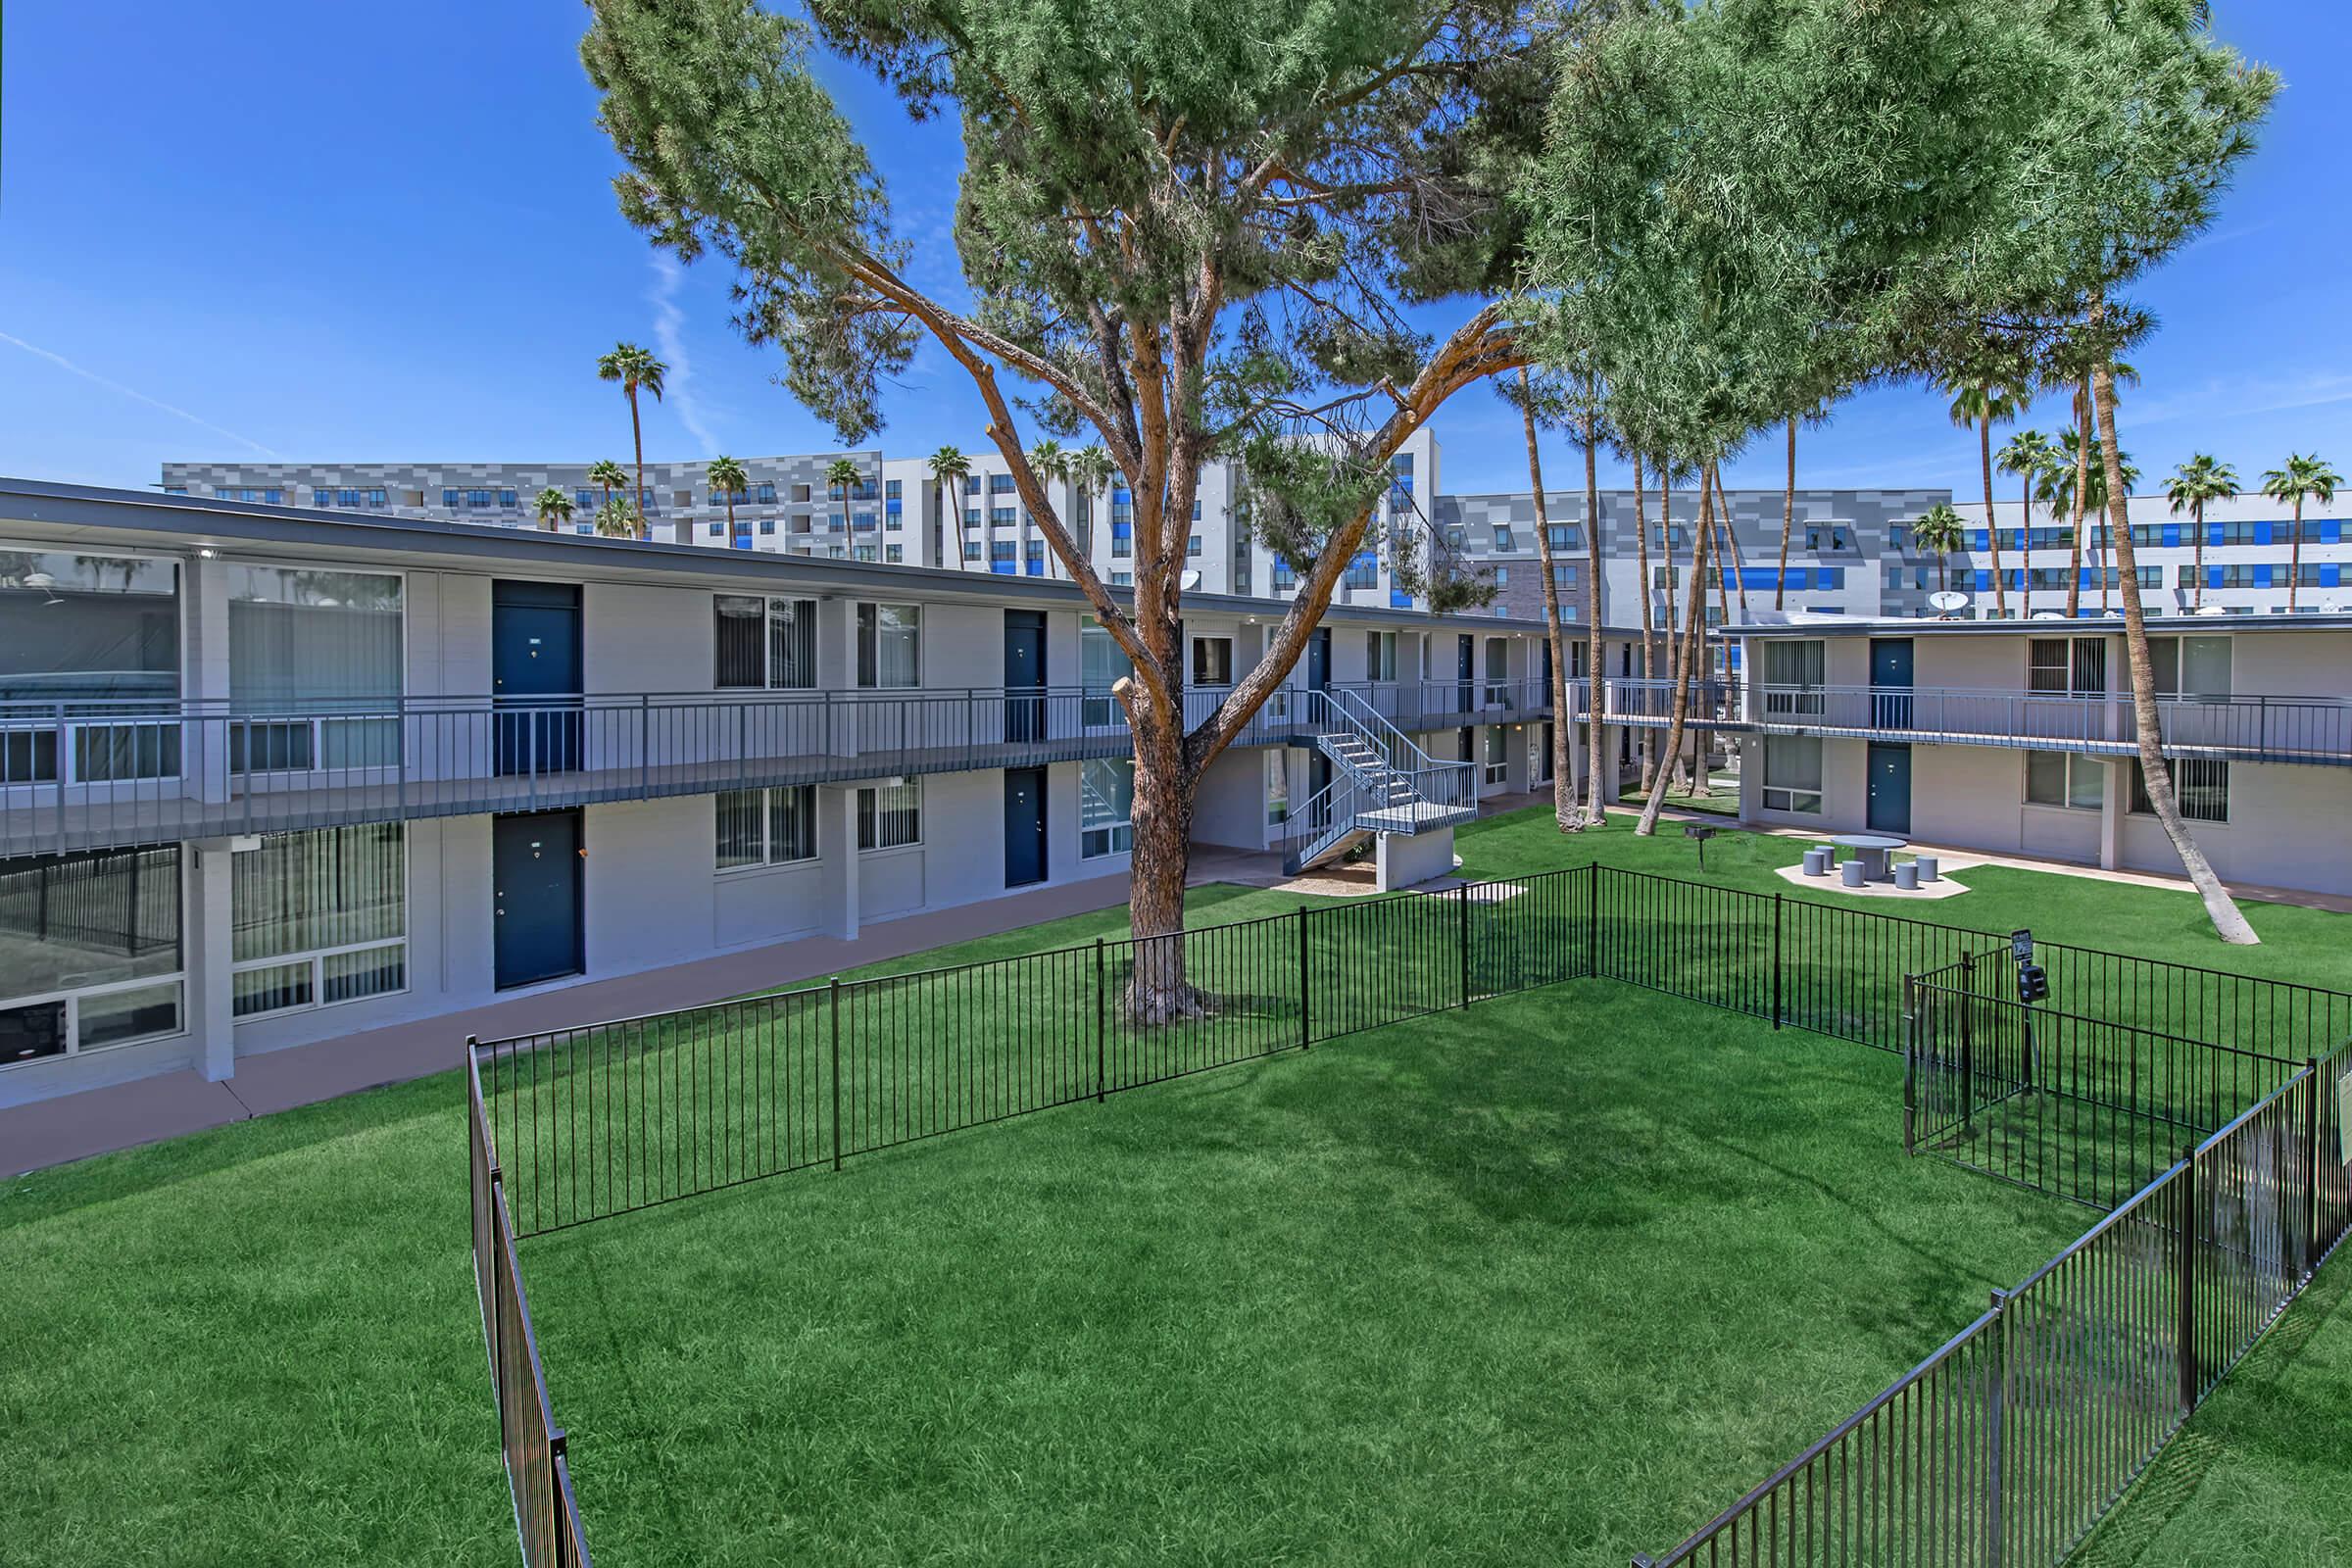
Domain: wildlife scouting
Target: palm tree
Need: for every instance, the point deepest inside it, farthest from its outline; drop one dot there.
(841, 481)
(636, 370)
(1048, 461)
(1091, 472)
(949, 467)
(2302, 476)
(1939, 529)
(727, 477)
(554, 509)
(617, 519)
(2200, 480)
(2088, 501)
(1984, 403)
(609, 474)
(2028, 454)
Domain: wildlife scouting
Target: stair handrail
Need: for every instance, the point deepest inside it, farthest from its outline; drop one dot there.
(1351, 711)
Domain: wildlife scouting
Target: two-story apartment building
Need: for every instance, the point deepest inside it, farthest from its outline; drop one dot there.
(269, 778)
(2019, 737)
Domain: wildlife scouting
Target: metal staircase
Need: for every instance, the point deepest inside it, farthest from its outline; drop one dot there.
(1383, 783)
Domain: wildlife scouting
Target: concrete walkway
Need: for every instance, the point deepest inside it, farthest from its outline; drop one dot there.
(50, 1132)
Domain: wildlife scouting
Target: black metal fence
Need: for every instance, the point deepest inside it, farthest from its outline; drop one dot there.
(623, 1115)
(2009, 1445)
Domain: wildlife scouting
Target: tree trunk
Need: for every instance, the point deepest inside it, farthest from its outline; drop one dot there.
(1563, 784)
(2158, 778)
(645, 524)
(2025, 546)
(1710, 484)
(1650, 638)
(2198, 596)
(1992, 528)
(1599, 792)
(2294, 557)
(2082, 439)
(1670, 758)
(1163, 820)
(1779, 587)
(1693, 623)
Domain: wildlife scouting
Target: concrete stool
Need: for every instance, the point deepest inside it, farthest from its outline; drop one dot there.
(1906, 876)
(1851, 873)
(1926, 868)
(1817, 862)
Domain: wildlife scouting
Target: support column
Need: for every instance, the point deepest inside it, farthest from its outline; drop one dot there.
(204, 742)
(1517, 777)
(205, 869)
(2114, 801)
(837, 849)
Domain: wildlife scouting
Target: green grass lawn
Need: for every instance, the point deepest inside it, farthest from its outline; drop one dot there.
(260, 1345)
(1721, 798)
(1549, 1280)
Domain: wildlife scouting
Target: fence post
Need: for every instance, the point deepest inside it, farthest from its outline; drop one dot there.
(1102, 1018)
(833, 990)
(1911, 1033)
(1968, 1043)
(1997, 1461)
(1462, 936)
(2314, 1124)
(1592, 919)
(2184, 1276)
(1775, 962)
(1305, 1025)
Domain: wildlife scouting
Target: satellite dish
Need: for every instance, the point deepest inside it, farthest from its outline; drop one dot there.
(1949, 600)
(2049, 615)
(1190, 579)
(2112, 615)
(2209, 609)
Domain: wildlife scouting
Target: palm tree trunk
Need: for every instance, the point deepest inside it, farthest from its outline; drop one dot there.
(645, 524)
(2025, 546)
(2073, 576)
(1685, 657)
(1669, 757)
(1564, 783)
(2294, 557)
(1709, 482)
(1779, 587)
(1598, 794)
(2197, 596)
(1992, 528)
(730, 519)
(2146, 722)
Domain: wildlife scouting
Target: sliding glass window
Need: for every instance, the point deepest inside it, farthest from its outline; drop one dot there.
(89, 661)
(319, 918)
(89, 952)
(765, 644)
(314, 668)
(889, 646)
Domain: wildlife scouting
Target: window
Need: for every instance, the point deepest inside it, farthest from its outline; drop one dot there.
(1380, 656)
(89, 950)
(2194, 669)
(1498, 753)
(317, 918)
(767, 827)
(1502, 576)
(1122, 579)
(971, 550)
(1362, 573)
(1564, 577)
(714, 529)
(894, 555)
(1793, 773)
(2056, 778)
(890, 815)
(1212, 660)
(1278, 785)
(2063, 667)
(2202, 784)
(1285, 576)
(1000, 516)
(999, 484)
(1827, 536)
(889, 646)
(764, 644)
(1102, 665)
(800, 493)
(327, 643)
(764, 492)
(1793, 676)
(1105, 807)
(1561, 535)
(1502, 537)
(85, 626)
(1192, 545)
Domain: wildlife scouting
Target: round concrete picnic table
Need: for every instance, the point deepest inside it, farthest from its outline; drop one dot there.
(1872, 849)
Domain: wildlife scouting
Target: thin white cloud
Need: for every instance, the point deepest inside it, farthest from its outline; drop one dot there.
(137, 396)
(679, 386)
(2239, 396)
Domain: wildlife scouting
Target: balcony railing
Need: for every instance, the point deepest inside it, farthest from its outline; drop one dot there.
(97, 774)
(2305, 729)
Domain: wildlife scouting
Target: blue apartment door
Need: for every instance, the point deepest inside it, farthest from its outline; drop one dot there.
(1465, 670)
(1025, 826)
(535, 676)
(535, 897)
(1889, 788)
(1025, 672)
(1891, 682)
(1318, 659)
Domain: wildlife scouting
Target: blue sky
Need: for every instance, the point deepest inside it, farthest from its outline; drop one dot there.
(364, 233)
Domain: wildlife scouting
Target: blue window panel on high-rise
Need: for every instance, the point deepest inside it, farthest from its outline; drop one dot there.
(2262, 533)
(1399, 599)
(1004, 569)
(1981, 543)
(1122, 531)
(2172, 535)
(2262, 576)
(742, 541)
(2212, 533)
(1037, 569)
(2089, 577)
(1983, 580)
(2213, 576)
(2331, 531)
(2331, 574)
